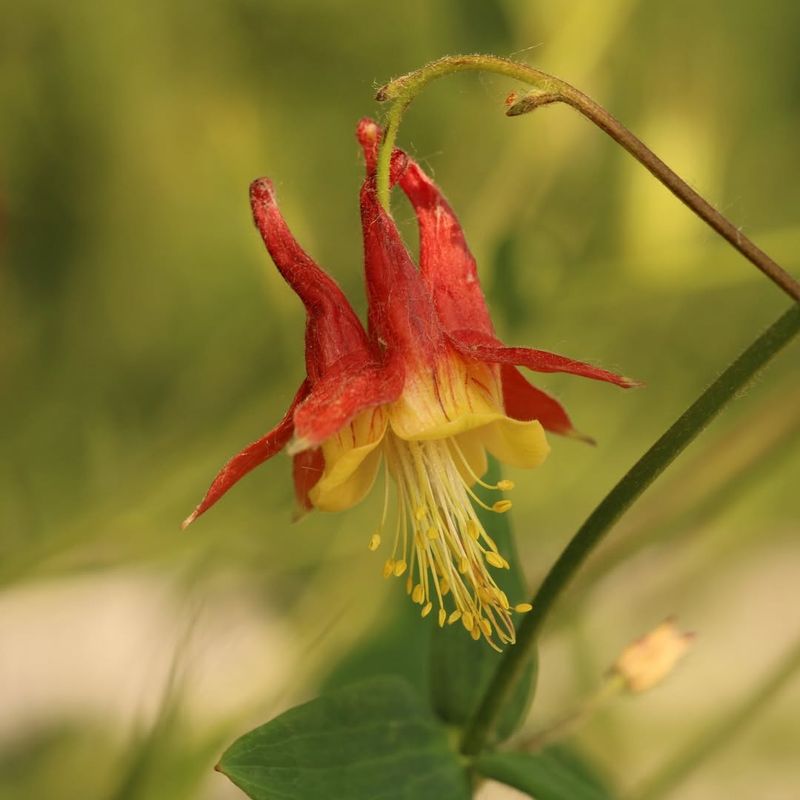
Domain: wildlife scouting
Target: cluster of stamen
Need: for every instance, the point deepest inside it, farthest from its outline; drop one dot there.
(440, 545)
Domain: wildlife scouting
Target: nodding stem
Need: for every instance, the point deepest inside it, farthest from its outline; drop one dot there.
(550, 89)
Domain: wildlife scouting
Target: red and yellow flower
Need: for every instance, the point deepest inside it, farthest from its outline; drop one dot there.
(427, 390)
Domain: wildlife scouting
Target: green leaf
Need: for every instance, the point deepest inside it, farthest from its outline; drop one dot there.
(543, 776)
(462, 668)
(372, 740)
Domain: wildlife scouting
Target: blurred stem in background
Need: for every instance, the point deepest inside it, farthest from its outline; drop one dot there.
(611, 688)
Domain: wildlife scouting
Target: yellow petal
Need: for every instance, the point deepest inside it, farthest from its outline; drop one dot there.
(351, 463)
(519, 444)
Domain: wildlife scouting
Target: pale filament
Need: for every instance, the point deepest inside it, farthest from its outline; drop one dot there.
(439, 540)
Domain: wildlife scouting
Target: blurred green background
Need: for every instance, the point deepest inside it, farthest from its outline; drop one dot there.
(145, 336)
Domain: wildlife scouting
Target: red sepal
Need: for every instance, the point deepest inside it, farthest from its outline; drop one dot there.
(346, 390)
(333, 331)
(525, 402)
(402, 316)
(448, 267)
(252, 456)
(479, 347)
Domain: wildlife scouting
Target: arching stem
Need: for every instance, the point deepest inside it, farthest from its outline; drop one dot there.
(549, 89)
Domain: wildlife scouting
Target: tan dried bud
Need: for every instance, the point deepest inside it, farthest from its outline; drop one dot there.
(648, 660)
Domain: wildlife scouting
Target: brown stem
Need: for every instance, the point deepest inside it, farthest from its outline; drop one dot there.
(647, 158)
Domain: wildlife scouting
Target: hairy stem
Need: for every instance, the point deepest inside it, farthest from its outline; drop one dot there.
(612, 507)
(549, 89)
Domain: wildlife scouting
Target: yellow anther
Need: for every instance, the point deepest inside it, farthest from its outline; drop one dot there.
(433, 533)
(444, 586)
(409, 584)
(418, 595)
(442, 617)
(505, 485)
(501, 506)
(419, 513)
(463, 564)
(503, 598)
(374, 542)
(388, 568)
(486, 627)
(400, 567)
(495, 559)
(426, 609)
(467, 621)
(454, 617)
(476, 633)
(523, 607)
(473, 530)
(485, 597)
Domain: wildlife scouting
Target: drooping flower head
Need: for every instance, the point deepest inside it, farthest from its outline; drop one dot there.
(426, 391)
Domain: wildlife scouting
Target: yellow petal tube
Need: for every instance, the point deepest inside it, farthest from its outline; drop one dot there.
(446, 399)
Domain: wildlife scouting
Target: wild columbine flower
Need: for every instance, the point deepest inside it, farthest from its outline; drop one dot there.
(427, 390)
